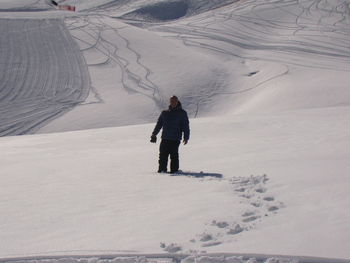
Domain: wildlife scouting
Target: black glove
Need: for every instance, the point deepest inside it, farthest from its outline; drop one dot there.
(153, 139)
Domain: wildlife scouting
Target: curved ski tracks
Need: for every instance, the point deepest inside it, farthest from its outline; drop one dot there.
(248, 28)
(135, 75)
(42, 73)
(48, 75)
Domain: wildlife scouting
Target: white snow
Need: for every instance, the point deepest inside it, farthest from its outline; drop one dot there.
(44, 74)
(158, 258)
(266, 84)
(96, 190)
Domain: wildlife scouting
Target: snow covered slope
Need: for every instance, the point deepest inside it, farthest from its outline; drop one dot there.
(271, 184)
(266, 171)
(43, 74)
(23, 5)
(247, 56)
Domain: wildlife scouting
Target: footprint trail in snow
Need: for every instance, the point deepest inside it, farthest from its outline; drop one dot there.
(257, 204)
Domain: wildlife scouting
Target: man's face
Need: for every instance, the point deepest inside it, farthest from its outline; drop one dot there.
(173, 102)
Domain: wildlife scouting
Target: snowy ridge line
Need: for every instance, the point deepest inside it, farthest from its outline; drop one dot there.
(215, 257)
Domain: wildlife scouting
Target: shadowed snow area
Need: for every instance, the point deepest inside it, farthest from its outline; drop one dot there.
(170, 10)
(161, 11)
(43, 74)
(153, 10)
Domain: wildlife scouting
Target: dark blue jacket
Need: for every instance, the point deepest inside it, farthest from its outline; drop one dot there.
(174, 122)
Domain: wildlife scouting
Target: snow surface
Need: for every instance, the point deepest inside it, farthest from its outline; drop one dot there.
(170, 258)
(266, 84)
(96, 190)
(245, 57)
(44, 74)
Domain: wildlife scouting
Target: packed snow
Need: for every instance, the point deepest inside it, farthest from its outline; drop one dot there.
(44, 74)
(265, 174)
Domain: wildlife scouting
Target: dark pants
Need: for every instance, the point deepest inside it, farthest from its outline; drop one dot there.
(169, 147)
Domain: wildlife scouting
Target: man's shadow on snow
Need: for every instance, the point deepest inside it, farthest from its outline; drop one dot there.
(198, 175)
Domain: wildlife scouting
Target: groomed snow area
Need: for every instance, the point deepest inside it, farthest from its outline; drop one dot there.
(43, 74)
(266, 171)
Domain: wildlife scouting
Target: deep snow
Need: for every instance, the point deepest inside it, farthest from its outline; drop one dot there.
(97, 190)
(266, 171)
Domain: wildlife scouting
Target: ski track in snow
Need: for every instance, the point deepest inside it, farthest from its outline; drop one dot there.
(241, 28)
(244, 30)
(43, 75)
(102, 38)
(299, 33)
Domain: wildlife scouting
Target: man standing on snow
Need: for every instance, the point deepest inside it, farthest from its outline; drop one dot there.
(174, 122)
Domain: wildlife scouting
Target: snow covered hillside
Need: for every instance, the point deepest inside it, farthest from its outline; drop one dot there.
(271, 184)
(249, 56)
(44, 74)
(218, 57)
(266, 84)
